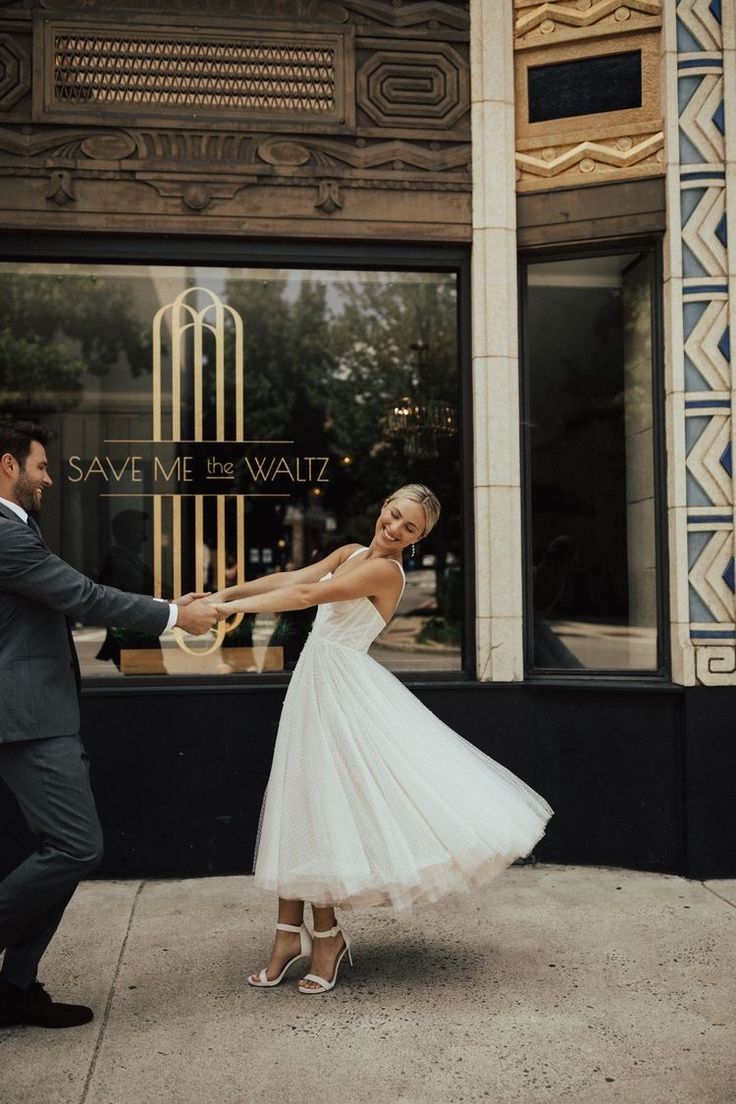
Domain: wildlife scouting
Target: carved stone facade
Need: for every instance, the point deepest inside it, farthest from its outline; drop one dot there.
(596, 147)
(343, 119)
(700, 306)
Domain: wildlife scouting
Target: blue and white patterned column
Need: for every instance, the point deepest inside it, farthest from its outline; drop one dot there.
(700, 286)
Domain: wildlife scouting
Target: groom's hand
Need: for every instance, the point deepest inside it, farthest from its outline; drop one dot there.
(197, 616)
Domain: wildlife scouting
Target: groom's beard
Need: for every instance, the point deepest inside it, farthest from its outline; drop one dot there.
(25, 493)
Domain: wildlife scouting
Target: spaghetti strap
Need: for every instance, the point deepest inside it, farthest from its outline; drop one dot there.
(401, 569)
(364, 548)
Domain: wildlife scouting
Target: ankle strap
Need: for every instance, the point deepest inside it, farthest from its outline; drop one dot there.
(328, 934)
(289, 927)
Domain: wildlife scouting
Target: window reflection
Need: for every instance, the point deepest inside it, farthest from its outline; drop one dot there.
(246, 427)
(591, 463)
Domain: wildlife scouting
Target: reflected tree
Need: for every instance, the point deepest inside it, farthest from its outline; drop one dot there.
(55, 329)
(323, 361)
(382, 321)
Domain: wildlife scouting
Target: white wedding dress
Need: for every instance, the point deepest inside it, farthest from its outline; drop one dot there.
(372, 800)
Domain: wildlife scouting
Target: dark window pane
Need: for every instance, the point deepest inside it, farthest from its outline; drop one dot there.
(591, 473)
(586, 87)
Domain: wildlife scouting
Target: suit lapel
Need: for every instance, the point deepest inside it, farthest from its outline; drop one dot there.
(6, 512)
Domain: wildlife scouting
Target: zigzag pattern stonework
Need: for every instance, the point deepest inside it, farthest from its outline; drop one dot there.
(588, 157)
(701, 384)
(601, 145)
(560, 19)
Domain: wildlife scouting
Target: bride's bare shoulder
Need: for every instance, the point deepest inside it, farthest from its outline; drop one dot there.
(347, 550)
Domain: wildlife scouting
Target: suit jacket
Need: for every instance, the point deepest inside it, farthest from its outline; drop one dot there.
(38, 664)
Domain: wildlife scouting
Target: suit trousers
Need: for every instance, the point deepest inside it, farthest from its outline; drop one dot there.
(50, 781)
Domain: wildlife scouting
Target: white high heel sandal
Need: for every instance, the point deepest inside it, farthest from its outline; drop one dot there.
(305, 951)
(323, 983)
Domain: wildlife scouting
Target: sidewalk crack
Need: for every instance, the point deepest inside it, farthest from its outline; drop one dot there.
(110, 998)
(718, 895)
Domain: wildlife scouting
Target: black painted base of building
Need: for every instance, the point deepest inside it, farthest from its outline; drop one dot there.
(640, 776)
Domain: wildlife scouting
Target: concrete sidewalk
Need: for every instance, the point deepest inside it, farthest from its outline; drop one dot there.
(555, 983)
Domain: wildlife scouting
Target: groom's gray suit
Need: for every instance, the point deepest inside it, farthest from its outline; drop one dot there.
(42, 759)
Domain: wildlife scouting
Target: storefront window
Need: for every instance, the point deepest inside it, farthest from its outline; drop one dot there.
(590, 434)
(212, 425)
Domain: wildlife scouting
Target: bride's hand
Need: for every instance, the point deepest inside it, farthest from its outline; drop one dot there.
(224, 609)
(192, 596)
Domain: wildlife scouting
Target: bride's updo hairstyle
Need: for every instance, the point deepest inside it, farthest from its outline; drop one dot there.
(417, 492)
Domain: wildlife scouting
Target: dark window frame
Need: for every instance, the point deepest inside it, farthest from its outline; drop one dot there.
(652, 245)
(328, 255)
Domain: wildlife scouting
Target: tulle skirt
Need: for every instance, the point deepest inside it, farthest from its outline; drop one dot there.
(372, 800)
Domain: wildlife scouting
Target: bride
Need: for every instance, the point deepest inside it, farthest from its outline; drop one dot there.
(371, 800)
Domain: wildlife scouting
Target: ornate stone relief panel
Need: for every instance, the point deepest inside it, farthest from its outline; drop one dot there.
(307, 112)
(701, 384)
(167, 76)
(601, 145)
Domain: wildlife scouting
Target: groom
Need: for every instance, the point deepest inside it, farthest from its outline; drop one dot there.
(42, 759)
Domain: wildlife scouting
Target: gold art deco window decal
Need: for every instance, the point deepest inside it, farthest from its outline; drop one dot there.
(152, 74)
(179, 331)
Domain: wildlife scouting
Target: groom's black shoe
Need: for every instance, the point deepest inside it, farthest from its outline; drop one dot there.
(35, 1007)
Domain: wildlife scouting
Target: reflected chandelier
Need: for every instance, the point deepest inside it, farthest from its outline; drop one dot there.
(420, 424)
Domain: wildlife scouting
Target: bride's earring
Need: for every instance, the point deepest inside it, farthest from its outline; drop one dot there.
(413, 550)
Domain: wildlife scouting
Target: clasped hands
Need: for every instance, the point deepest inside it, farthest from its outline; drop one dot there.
(197, 614)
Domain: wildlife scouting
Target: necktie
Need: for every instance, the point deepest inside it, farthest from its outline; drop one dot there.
(33, 524)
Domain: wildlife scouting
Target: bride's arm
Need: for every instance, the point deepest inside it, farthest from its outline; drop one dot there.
(371, 579)
(278, 580)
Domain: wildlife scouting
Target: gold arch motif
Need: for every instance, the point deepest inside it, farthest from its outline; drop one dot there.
(188, 323)
(178, 311)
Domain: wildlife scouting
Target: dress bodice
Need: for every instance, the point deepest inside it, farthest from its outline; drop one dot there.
(354, 623)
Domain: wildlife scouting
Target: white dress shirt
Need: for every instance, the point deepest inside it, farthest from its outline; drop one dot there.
(23, 515)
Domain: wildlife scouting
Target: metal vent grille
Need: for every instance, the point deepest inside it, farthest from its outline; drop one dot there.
(138, 70)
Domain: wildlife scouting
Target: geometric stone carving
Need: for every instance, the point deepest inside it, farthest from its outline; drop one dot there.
(701, 372)
(538, 24)
(707, 344)
(704, 460)
(701, 120)
(410, 15)
(700, 21)
(108, 147)
(422, 87)
(591, 159)
(143, 74)
(328, 196)
(702, 230)
(715, 666)
(61, 187)
(277, 151)
(710, 574)
(243, 115)
(15, 72)
(599, 146)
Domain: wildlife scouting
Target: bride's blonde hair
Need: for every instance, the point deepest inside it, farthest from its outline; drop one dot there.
(417, 492)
